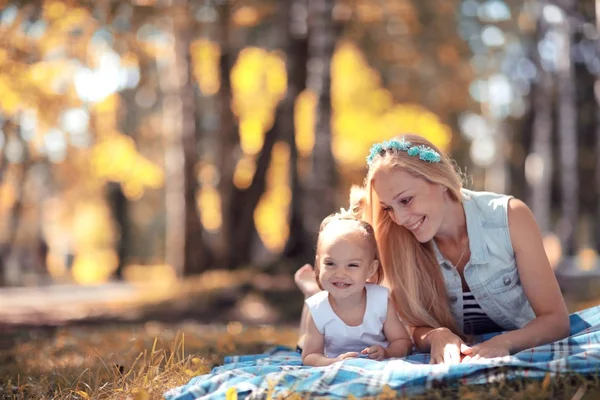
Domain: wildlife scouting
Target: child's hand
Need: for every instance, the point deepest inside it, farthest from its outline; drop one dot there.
(345, 356)
(375, 352)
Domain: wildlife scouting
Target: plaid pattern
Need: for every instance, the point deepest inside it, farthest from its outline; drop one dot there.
(279, 372)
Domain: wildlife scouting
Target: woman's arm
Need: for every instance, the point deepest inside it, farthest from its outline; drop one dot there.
(314, 347)
(443, 345)
(400, 344)
(539, 283)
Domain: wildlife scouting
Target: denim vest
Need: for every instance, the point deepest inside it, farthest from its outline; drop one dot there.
(491, 273)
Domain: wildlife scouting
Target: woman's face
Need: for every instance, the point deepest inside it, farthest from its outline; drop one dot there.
(411, 202)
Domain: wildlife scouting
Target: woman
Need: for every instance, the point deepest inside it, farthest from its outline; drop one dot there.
(459, 263)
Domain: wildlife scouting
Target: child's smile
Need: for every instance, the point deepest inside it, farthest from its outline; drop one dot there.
(345, 262)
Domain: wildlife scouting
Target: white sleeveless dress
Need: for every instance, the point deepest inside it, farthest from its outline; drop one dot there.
(341, 338)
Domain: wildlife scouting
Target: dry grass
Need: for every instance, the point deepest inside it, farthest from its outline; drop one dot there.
(123, 362)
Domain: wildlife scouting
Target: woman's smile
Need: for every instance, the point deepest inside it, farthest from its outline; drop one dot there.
(415, 227)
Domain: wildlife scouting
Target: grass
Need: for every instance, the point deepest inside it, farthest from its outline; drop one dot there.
(133, 362)
(141, 362)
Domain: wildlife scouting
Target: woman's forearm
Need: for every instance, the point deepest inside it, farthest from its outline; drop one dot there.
(543, 329)
(422, 336)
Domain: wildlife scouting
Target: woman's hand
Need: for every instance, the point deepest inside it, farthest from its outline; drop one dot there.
(488, 349)
(446, 347)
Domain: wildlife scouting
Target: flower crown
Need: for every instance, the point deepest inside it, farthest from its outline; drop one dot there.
(424, 153)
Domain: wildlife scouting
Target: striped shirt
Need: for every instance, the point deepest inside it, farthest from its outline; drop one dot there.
(476, 321)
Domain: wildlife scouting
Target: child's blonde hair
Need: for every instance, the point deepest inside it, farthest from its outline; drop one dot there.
(411, 268)
(361, 227)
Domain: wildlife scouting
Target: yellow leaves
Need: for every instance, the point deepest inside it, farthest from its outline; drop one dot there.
(209, 203)
(54, 9)
(74, 18)
(108, 105)
(251, 135)
(244, 172)
(115, 158)
(107, 113)
(208, 199)
(387, 393)
(10, 101)
(92, 267)
(304, 121)
(44, 75)
(271, 213)
(363, 112)
(205, 59)
(231, 394)
(258, 81)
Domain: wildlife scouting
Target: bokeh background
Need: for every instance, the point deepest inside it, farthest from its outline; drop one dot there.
(146, 141)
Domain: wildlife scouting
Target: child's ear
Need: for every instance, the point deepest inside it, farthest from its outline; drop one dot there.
(373, 267)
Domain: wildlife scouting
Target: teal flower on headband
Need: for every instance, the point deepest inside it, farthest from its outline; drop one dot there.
(401, 145)
(377, 148)
(425, 153)
(414, 151)
(429, 155)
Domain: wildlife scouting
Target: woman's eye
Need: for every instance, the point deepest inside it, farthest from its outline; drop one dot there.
(387, 209)
(405, 200)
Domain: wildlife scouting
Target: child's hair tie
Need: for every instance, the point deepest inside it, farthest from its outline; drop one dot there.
(424, 153)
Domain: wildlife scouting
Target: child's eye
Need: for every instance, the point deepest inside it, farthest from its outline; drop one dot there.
(406, 201)
(353, 265)
(328, 263)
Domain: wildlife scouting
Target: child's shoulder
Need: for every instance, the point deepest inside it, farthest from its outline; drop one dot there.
(378, 289)
(317, 298)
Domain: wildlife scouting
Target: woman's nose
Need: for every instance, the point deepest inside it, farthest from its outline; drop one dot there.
(400, 217)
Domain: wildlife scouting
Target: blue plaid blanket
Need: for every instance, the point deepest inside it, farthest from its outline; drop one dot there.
(279, 372)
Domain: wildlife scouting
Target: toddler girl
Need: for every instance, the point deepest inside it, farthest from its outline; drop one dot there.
(350, 317)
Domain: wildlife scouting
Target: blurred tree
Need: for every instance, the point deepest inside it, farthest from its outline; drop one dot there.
(321, 180)
(229, 140)
(539, 162)
(186, 250)
(567, 131)
(597, 123)
(294, 16)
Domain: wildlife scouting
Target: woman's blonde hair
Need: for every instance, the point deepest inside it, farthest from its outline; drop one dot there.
(411, 268)
(361, 227)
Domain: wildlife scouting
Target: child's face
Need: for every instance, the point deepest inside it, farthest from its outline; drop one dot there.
(345, 263)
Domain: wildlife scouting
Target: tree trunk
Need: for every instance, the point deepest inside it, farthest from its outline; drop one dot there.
(294, 14)
(118, 205)
(229, 142)
(244, 201)
(185, 248)
(539, 167)
(597, 97)
(320, 185)
(567, 135)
